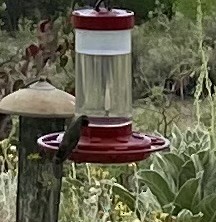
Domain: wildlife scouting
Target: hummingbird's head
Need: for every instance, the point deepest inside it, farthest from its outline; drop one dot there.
(84, 120)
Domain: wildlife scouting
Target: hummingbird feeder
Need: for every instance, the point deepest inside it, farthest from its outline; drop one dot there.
(104, 91)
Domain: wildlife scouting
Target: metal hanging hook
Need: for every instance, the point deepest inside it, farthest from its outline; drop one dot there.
(107, 4)
(41, 79)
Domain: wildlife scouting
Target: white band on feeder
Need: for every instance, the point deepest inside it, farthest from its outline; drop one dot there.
(103, 42)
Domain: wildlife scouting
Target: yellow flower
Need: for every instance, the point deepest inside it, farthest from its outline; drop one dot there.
(125, 214)
(132, 165)
(163, 216)
(119, 206)
(34, 156)
(10, 156)
(105, 174)
(13, 148)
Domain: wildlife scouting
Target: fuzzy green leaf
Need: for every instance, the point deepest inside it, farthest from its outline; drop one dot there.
(124, 195)
(187, 216)
(174, 160)
(207, 160)
(208, 207)
(187, 172)
(158, 186)
(177, 136)
(74, 182)
(169, 165)
(186, 195)
(174, 164)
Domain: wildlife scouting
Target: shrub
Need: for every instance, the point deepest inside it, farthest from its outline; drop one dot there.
(168, 50)
(162, 50)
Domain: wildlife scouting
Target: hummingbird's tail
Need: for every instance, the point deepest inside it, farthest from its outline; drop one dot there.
(57, 169)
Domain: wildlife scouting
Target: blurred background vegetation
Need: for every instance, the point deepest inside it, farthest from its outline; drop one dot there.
(174, 45)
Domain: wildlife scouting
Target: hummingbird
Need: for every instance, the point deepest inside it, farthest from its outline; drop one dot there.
(69, 142)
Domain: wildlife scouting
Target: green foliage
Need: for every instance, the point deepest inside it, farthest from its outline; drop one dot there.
(189, 7)
(157, 184)
(93, 200)
(185, 176)
(162, 50)
(187, 216)
(181, 181)
(8, 153)
(15, 66)
(175, 186)
(143, 8)
(160, 108)
(8, 186)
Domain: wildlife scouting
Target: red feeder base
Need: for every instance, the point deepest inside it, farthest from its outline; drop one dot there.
(108, 145)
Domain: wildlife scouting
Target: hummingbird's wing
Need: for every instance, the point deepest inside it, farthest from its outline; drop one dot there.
(70, 140)
(61, 156)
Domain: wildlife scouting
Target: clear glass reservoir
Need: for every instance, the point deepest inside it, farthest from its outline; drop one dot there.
(103, 76)
(103, 85)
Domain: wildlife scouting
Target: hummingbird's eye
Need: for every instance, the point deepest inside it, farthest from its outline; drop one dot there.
(85, 122)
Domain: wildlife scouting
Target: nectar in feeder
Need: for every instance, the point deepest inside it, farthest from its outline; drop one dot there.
(104, 91)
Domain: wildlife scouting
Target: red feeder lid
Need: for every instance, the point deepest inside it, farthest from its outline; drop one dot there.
(116, 19)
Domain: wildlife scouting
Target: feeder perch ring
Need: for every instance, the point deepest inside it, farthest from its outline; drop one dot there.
(133, 148)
